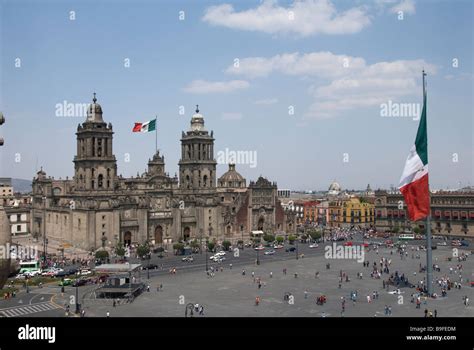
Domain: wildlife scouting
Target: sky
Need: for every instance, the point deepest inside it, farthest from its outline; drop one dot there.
(309, 89)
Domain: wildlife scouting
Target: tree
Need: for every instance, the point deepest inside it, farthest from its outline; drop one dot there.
(291, 239)
(120, 250)
(315, 234)
(226, 245)
(143, 250)
(396, 229)
(178, 247)
(211, 246)
(101, 255)
(417, 230)
(280, 239)
(269, 238)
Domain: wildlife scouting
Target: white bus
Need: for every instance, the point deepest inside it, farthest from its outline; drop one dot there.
(406, 236)
(30, 266)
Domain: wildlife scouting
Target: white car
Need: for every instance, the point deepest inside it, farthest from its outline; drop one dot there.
(442, 243)
(269, 252)
(259, 248)
(85, 272)
(221, 253)
(314, 245)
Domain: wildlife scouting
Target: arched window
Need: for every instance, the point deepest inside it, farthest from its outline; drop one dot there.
(205, 180)
(100, 181)
(187, 181)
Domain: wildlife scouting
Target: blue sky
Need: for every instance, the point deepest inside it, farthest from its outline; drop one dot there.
(334, 62)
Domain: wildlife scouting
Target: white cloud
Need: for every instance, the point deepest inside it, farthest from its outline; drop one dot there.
(341, 82)
(323, 64)
(231, 116)
(266, 101)
(406, 6)
(207, 87)
(304, 18)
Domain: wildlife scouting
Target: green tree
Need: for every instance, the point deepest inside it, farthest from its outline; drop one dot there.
(226, 245)
(417, 230)
(291, 239)
(269, 238)
(211, 246)
(280, 239)
(314, 234)
(178, 247)
(120, 250)
(101, 255)
(143, 250)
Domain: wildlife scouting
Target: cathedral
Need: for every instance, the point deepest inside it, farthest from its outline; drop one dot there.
(99, 208)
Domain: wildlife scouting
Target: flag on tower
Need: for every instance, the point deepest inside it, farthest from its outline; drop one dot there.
(145, 127)
(414, 183)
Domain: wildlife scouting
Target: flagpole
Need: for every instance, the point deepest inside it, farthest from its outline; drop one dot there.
(429, 250)
(156, 135)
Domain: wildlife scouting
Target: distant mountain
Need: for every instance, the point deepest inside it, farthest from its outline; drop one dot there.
(20, 185)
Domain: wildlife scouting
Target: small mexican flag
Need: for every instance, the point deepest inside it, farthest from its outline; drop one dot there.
(145, 127)
(414, 181)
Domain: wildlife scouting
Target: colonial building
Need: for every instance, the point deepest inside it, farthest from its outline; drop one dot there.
(452, 213)
(351, 212)
(100, 208)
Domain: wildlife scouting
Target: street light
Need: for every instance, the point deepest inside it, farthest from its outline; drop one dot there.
(207, 245)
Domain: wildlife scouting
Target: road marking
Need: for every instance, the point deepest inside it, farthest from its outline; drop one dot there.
(26, 310)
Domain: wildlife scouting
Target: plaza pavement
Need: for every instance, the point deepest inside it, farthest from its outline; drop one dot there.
(229, 293)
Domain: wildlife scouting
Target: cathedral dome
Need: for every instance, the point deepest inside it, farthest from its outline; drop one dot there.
(334, 188)
(197, 121)
(231, 178)
(94, 112)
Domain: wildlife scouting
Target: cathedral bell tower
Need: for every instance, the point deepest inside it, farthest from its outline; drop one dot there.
(95, 166)
(197, 167)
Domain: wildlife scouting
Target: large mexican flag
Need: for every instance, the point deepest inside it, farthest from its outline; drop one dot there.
(145, 127)
(414, 181)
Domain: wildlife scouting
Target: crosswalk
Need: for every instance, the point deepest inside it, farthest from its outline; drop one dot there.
(19, 311)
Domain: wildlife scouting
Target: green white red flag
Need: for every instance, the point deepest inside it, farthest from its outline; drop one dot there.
(414, 183)
(145, 127)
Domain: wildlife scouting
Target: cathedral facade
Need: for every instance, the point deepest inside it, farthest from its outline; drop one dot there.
(100, 208)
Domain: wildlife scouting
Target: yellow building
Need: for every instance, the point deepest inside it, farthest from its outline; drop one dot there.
(351, 211)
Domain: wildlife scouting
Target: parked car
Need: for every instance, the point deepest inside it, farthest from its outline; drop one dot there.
(314, 245)
(85, 272)
(442, 243)
(188, 258)
(61, 274)
(269, 252)
(65, 282)
(150, 267)
(259, 248)
(80, 282)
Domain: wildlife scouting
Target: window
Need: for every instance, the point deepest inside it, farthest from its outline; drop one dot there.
(100, 180)
(18, 228)
(18, 217)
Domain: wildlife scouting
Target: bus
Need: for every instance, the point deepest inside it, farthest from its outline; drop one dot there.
(406, 236)
(30, 266)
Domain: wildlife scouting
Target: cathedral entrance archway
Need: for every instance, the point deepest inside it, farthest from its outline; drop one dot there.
(127, 238)
(261, 221)
(186, 233)
(159, 235)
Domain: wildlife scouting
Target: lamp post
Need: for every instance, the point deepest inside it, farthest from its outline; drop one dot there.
(77, 299)
(296, 250)
(44, 231)
(207, 245)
